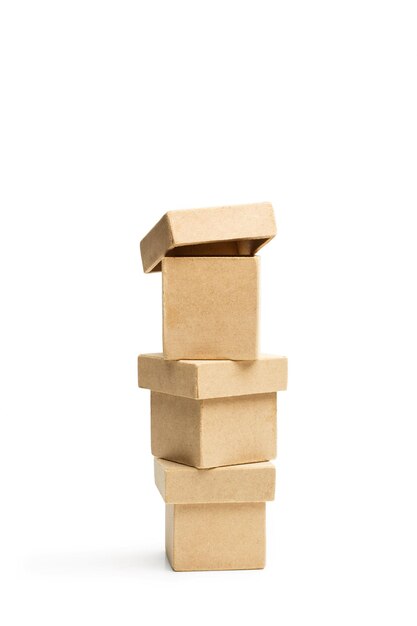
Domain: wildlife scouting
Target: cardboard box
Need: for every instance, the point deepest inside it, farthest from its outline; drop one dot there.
(215, 518)
(222, 231)
(215, 536)
(203, 379)
(210, 308)
(181, 484)
(216, 431)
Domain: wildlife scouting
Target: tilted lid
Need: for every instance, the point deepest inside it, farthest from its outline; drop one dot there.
(222, 231)
(181, 484)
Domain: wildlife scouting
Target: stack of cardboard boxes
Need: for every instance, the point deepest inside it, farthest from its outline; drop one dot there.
(213, 397)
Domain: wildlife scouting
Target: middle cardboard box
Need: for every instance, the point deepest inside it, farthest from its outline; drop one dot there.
(213, 413)
(214, 432)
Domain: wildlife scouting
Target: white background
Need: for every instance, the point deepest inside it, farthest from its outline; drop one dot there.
(113, 113)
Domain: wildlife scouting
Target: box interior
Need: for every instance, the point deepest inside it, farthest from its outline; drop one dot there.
(233, 247)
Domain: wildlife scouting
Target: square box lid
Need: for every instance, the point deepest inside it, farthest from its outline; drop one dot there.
(181, 484)
(221, 231)
(202, 379)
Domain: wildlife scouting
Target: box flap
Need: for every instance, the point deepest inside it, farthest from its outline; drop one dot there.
(182, 484)
(221, 231)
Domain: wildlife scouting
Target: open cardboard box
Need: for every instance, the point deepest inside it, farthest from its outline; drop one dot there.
(215, 518)
(201, 379)
(221, 231)
(216, 431)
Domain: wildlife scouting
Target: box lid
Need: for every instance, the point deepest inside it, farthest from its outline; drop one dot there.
(212, 378)
(181, 484)
(221, 231)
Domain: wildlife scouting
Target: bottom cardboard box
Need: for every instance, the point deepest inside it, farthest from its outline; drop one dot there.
(215, 536)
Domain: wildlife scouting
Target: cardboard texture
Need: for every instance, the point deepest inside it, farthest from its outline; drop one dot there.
(222, 231)
(214, 432)
(201, 379)
(215, 536)
(181, 484)
(210, 308)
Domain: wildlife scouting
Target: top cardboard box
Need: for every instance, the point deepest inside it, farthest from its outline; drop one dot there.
(221, 231)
